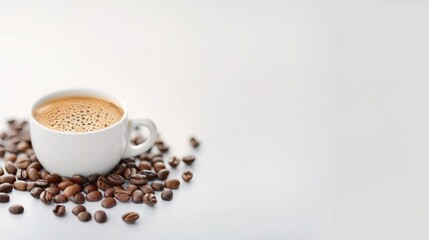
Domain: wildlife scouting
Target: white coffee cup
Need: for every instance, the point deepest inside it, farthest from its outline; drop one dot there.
(85, 153)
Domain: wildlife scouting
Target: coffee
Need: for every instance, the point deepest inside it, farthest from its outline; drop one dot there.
(78, 114)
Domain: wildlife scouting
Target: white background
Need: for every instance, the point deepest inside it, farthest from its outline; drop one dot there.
(312, 114)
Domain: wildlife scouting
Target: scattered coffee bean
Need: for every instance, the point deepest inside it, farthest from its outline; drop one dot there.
(138, 179)
(167, 194)
(137, 196)
(150, 175)
(41, 183)
(23, 162)
(21, 174)
(94, 196)
(10, 168)
(36, 192)
(22, 146)
(146, 189)
(149, 199)
(137, 140)
(163, 148)
(158, 166)
(89, 188)
(187, 176)
(108, 202)
(100, 216)
(78, 198)
(11, 157)
(20, 185)
(122, 195)
(71, 190)
(46, 197)
(30, 186)
(33, 174)
(79, 208)
(163, 174)
(53, 178)
(35, 165)
(188, 159)
(115, 179)
(93, 178)
(130, 217)
(64, 184)
(157, 186)
(103, 183)
(54, 190)
(84, 216)
(194, 142)
(129, 172)
(4, 198)
(110, 192)
(43, 173)
(78, 179)
(131, 188)
(145, 165)
(59, 210)
(7, 178)
(156, 159)
(172, 183)
(6, 187)
(16, 209)
(60, 199)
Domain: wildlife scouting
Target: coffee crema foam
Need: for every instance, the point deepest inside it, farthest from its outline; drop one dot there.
(78, 114)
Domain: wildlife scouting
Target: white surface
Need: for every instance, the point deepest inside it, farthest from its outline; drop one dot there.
(312, 115)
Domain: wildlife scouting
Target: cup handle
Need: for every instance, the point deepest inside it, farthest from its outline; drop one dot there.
(134, 150)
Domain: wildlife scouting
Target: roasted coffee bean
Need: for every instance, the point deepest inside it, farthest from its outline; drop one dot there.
(16, 209)
(78, 179)
(174, 161)
(167, 194)
(9, 156)
(172, 183)
(108, 202)
(157, 186)
(93, 178)
(46, 197)
(54, 190)
(71, 190)
(120, 187)
(23, 162)
(131, 188)
(120, 168)
(145, 165)
(35, 165)
(103, 183)
(10, 168)
(163, 148)
(100, 216)
(78, 209)
(129, 172)
(149, 199)
(64, 184)
(4, 198)
(29, 151)
(89, 188)
(1, 171)
(163, 174)
(22, 146)
(59, 210)
(149, 174)
(194, 142)
(78, 198)
(7, 178)
(94, 196)
(41, 183)
(158, 166)
(138, 179)
(20, 185)
(21, 174)
(137, 196)
(43, 173)
(84, 216)
(187, 176)
(188, 159)
(122, 195)
(30, 186)
(6, 187)
(146, 189)
(35, 192)
(145, 157)
(33, 174)
(130, 217)
(115, 179)
(53, 178)
(110, 192)
(138, 139)
(157, 159)
(33, 158)
(60, 199)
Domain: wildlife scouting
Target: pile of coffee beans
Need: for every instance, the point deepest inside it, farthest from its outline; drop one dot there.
(136, 179)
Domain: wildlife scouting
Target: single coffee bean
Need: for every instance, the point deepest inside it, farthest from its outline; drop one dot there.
(156, 159)
(157, 186)
(129, 172)
(94, 196)
(108, 202)
(59, 210)
(149, 199)
(100, 216)
(138, 179)
(78, 209)
(78, 198)
(145, 157)
(159, 141)
(29, 151)
(122, 195)
(7, 178)
(23, 164)
(130, 217)
(146, 189)
(54, 190)
(41, 183)
(163, 174)
(43, 174)
(22, 146)
(6, 187)
(35, 165)
(30, 186)
(188, 159)
(194, 142)
(137, 196)
(10, 168)
(64, 184)
(20, 185)
(60, 199)
(115, 179)
(172, 183)
(110, 192)
(78, 179)
(36, 192)
(158, 166)
(145, 165)
(103, 183)
(71, 190)
(16, 209)
(167, 194)
(9, 156)
(93, 178)
(53, 178)
(150, 175)
(21, 174)
(33, 174)
(84, 216)
(187, 176)
(131, 188)
(4, 198)
(89, 188)
(46, 197)
(120, 168)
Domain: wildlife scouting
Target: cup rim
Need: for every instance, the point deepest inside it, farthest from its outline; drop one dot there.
(80, 92)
